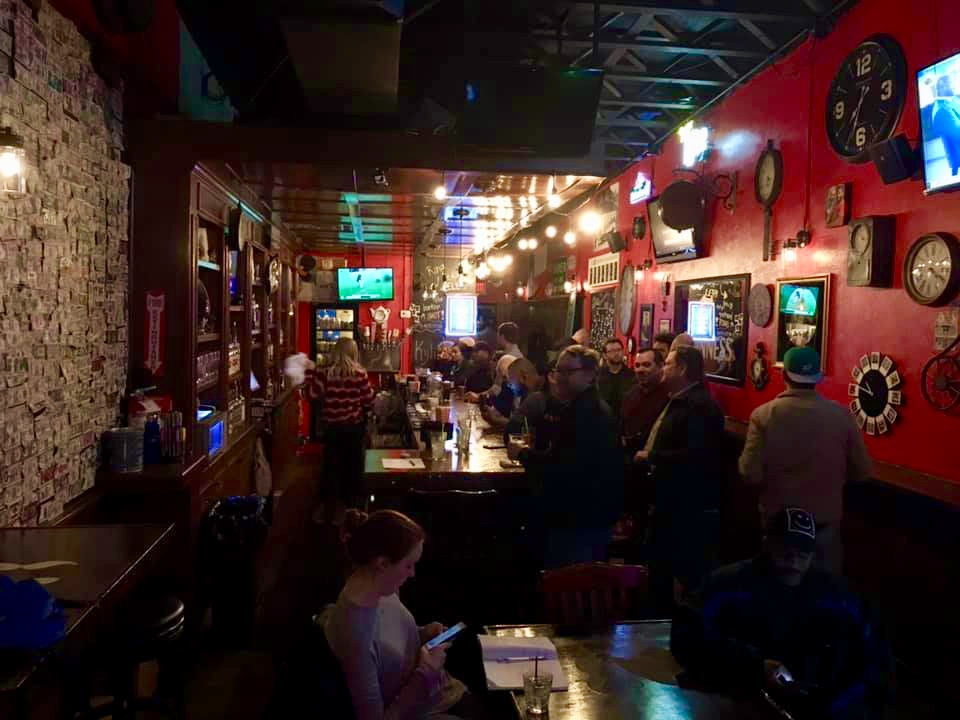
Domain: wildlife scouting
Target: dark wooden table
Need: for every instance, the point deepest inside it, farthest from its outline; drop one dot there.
(627, 672)
(480, 469)
(100, 566)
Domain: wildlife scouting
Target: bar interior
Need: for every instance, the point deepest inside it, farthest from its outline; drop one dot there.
(501, 359)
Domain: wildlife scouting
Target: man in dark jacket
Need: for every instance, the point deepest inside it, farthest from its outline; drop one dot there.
(615, 379)
(581, 473)
(776, 623)
(684, 450)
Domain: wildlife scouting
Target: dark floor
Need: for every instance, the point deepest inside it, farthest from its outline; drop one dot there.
(302, 570)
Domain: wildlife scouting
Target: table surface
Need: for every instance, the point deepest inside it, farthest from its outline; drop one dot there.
(80, 566)
(480, 469)
(627, 672)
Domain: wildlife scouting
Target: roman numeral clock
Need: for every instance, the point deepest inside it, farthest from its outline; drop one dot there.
(866, 97)
(874, 393)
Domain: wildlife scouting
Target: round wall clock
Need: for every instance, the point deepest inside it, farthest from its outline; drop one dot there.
(931, 270)
(874, 393)
(627, 299)
(760, 305)
(866, 97)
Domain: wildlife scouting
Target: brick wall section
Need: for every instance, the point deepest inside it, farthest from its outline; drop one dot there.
(63, 266)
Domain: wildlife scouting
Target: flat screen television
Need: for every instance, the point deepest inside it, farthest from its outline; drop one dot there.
(938, 90)
(702, 321)
(460, 319)
(798, 300)
(550, 110)
(670, 245)
(355, 284)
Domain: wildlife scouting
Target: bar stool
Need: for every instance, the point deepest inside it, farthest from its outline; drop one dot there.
(152, 630)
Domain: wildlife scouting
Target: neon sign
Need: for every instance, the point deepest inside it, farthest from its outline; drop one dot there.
(642, 188)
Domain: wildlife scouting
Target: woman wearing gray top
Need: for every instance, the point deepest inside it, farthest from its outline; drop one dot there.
(390, 674)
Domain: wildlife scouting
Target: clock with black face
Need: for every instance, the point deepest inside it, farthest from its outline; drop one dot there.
(874, 393)
(866, 97)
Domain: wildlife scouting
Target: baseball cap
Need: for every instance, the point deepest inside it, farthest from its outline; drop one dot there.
(802, 365)
(794, 526)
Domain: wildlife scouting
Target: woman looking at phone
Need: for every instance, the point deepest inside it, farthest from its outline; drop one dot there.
(390, 674)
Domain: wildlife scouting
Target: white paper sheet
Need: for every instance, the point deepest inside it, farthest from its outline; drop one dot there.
(403, 464)
(509, 675)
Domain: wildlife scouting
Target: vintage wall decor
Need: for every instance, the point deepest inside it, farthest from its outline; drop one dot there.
(759, 373)
(870, 251)
(803, 309)
(874, 393)
(767, 185)
(931, 270)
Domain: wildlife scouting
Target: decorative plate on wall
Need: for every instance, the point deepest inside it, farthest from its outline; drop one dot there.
(874, 393)
(760, 305)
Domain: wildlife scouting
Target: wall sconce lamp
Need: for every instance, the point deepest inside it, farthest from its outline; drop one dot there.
(11, 162)
(791, 245)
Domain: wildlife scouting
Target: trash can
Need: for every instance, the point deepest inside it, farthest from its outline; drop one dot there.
(234, 530)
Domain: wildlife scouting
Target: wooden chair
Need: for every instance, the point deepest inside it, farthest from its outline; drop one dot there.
(592, 594)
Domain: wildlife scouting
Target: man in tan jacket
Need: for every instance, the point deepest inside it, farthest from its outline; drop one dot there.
(801, 450)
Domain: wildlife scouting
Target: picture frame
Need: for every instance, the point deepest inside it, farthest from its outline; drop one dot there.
(646, 324)
(664, 326)
(803, 315)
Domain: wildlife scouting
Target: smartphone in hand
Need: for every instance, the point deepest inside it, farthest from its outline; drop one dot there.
(445, 636)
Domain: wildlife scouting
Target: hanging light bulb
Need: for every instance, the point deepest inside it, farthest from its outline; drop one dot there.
(11, 162)
(434, 294)
(551, 231)
(440, 191)
(590, 222)
(532, 244)
(523, 244)
(426, 294)
(445, 286)
(483, 271)
(567, 286)
(554, 201)
(570, 238)
(520, 291)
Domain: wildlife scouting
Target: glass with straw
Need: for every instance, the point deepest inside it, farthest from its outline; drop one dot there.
(536, 690)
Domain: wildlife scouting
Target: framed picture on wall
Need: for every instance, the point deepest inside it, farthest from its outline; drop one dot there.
(803, 313)
(646, 325)
(664, 326)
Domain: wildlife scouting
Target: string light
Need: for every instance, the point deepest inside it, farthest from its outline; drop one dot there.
(570, 238)
(522, 245)
(551, 231)
(590, 222)
(483, 271)
(440, 191)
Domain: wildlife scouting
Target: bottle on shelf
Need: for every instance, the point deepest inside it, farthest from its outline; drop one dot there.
(152, 454)
(256, 314)
(233, 355)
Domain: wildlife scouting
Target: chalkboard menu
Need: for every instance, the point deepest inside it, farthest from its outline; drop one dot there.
(724, 346)
(428, 314)
(424, 347)
(603, 315)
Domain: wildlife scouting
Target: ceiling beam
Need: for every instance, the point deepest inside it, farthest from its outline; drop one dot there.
(629, 123)
(759, 34)
(726, 67)
(693, 8)
(612, 42)
(648, 103)
(643, 77)
(614, 90)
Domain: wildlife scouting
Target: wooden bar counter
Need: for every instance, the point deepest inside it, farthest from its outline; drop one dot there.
(480, 469)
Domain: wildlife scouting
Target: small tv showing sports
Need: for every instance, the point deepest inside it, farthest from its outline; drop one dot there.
(670, 245)
(360, 284)
(797, 300)
(461, 315)
(702, 321)
(938, 89)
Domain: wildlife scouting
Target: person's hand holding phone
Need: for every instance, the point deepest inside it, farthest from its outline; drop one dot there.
(434, 660)
(430, 631)
(775, 674)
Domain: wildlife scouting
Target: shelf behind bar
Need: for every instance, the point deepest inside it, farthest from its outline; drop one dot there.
(208, 384)
(236, 308)
(208, 338)
(207, 265)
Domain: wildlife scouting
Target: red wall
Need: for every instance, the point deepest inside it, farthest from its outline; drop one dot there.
(775, 105)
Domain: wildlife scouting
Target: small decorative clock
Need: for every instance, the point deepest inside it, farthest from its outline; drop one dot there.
(874, 393)
(759, 375)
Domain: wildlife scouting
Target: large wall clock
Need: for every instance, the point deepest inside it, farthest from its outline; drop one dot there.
(874, 393)
(931, 270)
(767, 185)
(866, 97)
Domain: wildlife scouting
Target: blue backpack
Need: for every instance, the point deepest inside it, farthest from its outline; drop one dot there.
(30, 617)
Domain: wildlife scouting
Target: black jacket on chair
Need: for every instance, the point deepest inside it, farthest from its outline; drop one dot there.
(581, 473)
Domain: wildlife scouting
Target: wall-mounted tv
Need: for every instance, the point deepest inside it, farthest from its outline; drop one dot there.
(938, 90)
(359, 284)
(670, 245)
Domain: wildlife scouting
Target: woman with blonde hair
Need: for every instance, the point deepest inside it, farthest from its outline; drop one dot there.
(345, 396)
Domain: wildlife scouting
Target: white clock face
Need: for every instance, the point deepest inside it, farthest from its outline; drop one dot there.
(929, 273)
(768, 175)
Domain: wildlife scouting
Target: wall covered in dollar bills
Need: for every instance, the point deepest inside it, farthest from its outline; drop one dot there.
(63, 266)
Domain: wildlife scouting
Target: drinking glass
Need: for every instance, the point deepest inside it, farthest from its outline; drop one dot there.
(536, 692)
(437, 440)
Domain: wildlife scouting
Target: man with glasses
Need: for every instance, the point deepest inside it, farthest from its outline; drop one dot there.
(581, 472)
(615, 379)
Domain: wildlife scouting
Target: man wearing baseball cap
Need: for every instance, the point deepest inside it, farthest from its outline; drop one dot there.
(801, 449)
(778, 624)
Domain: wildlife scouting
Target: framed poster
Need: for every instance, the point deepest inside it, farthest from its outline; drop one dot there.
(713, 311)
(664, 326)
(646, 325)
(803, 309)
(603, 316)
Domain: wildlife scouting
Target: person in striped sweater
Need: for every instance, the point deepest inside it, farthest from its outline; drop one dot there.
(346, 397)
